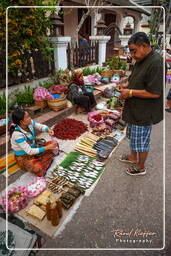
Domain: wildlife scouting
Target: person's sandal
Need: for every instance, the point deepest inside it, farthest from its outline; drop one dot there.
(124, 158)
(133, 171)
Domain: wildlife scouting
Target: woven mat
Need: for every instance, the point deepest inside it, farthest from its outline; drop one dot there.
(12, 165)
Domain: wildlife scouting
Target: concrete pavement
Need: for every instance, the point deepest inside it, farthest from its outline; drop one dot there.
(122, 202)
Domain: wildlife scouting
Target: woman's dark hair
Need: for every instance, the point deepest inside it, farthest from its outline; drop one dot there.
(17, 117)
(139, 38)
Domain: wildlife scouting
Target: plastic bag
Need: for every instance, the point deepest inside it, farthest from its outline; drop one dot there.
(56, 150)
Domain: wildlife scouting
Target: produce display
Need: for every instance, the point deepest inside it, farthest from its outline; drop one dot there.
(57, 184)
(36, 186)
(95, 118)
(36, 212)
(86, 144)
(110, 120)
(68, 198)
(105, 146)
(69, 129)
(80, 169)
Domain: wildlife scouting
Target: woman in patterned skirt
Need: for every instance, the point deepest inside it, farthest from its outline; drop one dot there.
(29, 156)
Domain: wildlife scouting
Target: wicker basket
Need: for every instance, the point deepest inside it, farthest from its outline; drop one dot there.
(121, 73)
(58, 104)
(107, 73)
(41, 103)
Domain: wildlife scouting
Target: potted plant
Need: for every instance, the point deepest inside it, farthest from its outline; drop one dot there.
(25, 98)
(116, 65)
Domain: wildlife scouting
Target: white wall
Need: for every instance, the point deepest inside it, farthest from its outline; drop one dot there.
(71, 22)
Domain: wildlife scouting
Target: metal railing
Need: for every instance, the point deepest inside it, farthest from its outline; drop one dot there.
(82, 56)
(36, 66)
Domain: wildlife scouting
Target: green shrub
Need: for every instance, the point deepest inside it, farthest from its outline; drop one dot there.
(99, 70)
(2, 104)
(57, 76)
(116, 64)
(46, 84)
(25, 97)
(91, 71)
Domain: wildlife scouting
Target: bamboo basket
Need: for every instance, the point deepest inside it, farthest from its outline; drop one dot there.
(58, 104)
(41, 103)
(107, 73)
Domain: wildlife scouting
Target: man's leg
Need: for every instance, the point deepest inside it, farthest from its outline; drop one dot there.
(140, 142)
(142, 158)
(133, 156)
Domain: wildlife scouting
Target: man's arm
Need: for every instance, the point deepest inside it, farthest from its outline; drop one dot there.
(128, 93)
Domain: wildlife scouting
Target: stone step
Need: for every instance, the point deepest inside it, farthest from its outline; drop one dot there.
(49, 118)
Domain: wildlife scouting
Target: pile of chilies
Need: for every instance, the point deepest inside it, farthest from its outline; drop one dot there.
(69, 129)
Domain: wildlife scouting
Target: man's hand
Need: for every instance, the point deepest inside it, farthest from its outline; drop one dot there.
(124, 94)
(122, 85)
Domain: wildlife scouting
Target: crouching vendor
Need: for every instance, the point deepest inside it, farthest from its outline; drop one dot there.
(79, 95)
(28, 155)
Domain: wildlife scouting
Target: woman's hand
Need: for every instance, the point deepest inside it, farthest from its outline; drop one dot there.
(51, 145)
(51, 132)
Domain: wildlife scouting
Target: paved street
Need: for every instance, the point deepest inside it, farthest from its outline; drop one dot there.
(122, 202)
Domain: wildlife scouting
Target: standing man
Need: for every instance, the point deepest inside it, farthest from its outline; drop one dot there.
(143, 101)
(84, 48)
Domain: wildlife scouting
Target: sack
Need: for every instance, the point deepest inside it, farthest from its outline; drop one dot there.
(95, 118)
(42, 93)
(58, 89)
(56, 150)
(17, 199)
(110, 122)
(108, 92)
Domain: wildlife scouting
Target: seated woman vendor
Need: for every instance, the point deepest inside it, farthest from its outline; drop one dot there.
(78, 94)
(28, 156)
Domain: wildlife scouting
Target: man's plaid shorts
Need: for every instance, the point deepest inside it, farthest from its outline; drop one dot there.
(139, 137)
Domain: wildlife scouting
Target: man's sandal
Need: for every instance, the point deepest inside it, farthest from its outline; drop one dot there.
(124, 158)
(135, 172)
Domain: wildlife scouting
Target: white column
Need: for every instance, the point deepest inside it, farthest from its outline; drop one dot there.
(124, 39)
(136, 26)
(102, 47)
(120, 22)
(94, 17)
(137, 22)
(60, 45)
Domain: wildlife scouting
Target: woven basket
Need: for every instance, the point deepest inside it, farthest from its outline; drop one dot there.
(41, 103)
(58, 104)
(107, 73)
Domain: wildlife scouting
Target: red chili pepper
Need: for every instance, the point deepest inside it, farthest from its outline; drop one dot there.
(69, 129)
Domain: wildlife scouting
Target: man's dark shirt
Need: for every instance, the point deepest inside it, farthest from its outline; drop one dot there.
(146, 75)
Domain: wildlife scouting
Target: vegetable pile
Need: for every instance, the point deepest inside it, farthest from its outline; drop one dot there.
(69, 129)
